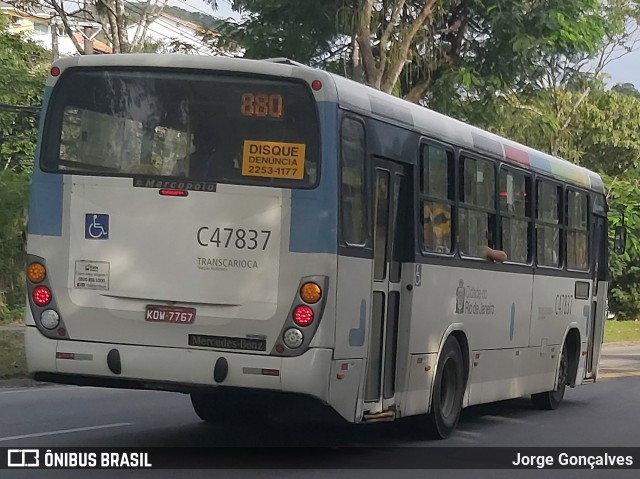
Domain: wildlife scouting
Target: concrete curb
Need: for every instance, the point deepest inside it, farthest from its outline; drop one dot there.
(11, 327)
(20, 383)
(620, 344)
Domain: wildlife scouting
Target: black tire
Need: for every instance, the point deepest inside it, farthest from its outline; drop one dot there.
(550, 400)
(230, 407)
(448, 390)
(205, 407)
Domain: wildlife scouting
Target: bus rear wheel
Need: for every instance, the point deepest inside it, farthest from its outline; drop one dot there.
(448, 389)
(229, 407)
(550, 400)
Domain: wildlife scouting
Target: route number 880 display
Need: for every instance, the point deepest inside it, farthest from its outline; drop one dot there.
(261, 105)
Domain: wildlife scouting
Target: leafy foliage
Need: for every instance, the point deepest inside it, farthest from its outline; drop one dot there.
(302, 31)
(624, 270)
(21, 83)
(24, 64)
(626, 89)
(13, 195)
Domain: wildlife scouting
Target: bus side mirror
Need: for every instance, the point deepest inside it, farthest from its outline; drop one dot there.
(620, 240)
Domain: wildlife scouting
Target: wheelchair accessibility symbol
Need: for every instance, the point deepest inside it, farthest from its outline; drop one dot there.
(96, 226)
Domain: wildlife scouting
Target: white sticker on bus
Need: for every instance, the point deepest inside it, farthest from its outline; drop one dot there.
(91, 275)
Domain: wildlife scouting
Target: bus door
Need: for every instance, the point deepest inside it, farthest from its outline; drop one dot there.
(597, 314)
(392, 245)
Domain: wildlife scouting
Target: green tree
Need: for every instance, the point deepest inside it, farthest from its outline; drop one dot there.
(24, 64)
(624, 279)
(307, 32)
(562, 72)
(626, 89)
(432, 50)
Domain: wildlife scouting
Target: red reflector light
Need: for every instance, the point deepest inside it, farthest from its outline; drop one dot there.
(271, 372)
(316, 85)
(55, 71)
(174, 193)
(303, 315)
(65, 356)
(41, 296)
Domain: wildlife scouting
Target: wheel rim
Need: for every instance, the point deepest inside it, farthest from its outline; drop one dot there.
(562, 374)
(562, 379)
(448, 388)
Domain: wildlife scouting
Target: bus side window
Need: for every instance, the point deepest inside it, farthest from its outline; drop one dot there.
(515, 214)
(577, 234)
(354, 211)
(549, 223)
(477, 216)
(437, 192)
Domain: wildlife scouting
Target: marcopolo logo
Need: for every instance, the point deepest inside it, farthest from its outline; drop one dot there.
(23, 458)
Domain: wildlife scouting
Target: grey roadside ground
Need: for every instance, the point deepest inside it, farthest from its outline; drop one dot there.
(616, 360)
(17, 382)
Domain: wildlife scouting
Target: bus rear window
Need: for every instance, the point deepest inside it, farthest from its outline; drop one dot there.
(201, 126)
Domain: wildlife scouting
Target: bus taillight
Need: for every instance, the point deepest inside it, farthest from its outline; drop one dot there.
(310, 292)
(41, 296)
(36, 272)
(50, 319)
(293, 338)
(303, 316)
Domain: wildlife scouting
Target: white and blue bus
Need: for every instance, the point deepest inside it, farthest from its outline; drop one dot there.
(259, 232)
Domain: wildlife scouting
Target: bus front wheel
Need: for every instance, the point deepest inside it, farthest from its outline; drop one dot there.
(448, 389)
(550, 400)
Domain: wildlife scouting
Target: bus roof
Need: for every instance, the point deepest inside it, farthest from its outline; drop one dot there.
(353, 95)
(358, 97)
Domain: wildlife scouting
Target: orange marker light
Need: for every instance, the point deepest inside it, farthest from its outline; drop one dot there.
(36, 272)
(310, 293)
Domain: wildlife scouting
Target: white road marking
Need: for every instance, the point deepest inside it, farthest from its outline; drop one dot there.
(511, 420)
(70, 388)
(65, 431)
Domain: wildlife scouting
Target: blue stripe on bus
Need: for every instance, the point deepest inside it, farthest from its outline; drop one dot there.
(45, 204)
(314, 213)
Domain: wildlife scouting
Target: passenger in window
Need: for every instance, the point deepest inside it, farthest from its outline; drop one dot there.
(437, 227)
(491, 254)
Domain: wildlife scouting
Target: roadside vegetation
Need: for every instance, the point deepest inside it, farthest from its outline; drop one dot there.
(12, 360)
(622, 331)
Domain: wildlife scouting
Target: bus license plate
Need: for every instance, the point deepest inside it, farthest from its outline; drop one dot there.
(170, 314)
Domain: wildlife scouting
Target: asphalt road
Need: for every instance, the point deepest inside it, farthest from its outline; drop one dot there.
(605, 414)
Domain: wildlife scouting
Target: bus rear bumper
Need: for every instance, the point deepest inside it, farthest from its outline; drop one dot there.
(174, 369)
